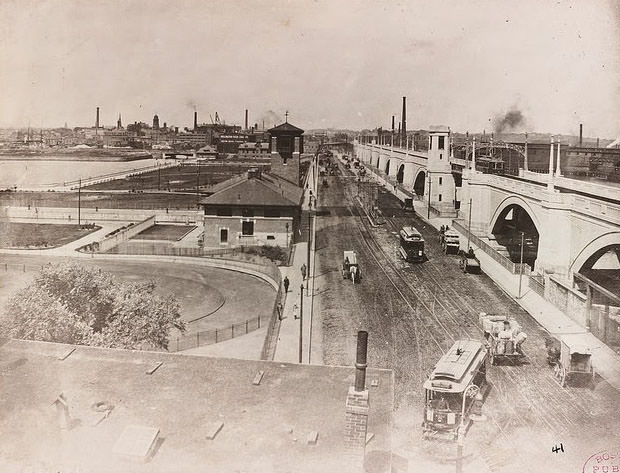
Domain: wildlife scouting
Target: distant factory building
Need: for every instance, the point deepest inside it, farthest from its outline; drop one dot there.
(254, 150)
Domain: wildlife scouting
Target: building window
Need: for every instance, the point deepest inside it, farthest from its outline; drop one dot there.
(439, 197)
(441, 144)
(223, 235)
(224, 212)
(440, 155)
(440, 180)
(271, 237)
(247, 212)
(430, 143)
(247, 228)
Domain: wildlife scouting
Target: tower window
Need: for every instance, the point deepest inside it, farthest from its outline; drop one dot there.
(439, 197)
(440, 180)
(441, 144)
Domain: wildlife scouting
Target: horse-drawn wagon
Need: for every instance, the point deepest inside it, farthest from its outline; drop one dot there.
(350, 266)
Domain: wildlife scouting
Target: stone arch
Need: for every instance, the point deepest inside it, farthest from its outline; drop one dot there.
(515, 200)
(419, 183)
(599, 243)
(512, 217)
(400, 174)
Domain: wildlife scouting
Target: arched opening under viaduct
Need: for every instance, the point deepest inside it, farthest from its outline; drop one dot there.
(602, 269)
(387, 167)
(400, 174)
(513, 220)
(419, 184)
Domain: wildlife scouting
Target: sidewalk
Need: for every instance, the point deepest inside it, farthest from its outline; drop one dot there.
(606, 361)
(287, 347)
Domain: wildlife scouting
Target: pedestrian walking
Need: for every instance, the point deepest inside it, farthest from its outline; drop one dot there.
(286, 282)
(303, 271)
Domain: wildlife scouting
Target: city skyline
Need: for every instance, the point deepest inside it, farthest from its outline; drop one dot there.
(330, 65)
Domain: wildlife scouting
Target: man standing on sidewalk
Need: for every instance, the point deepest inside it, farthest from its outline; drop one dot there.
(286, 283)
(303, 271)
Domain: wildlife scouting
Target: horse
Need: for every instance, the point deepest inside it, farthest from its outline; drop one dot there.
(354, 274)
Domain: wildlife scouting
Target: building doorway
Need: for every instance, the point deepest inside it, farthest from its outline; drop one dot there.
(223, 236)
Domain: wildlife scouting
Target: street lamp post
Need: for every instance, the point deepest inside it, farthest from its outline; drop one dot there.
(521, 263)
(460, 438)
(301, 323)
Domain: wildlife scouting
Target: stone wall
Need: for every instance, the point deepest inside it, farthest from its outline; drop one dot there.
(568, 300)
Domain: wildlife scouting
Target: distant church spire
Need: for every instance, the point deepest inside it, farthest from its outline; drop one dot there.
(119, 123)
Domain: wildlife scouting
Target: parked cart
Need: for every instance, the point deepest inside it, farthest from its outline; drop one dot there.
(572, 359)
(503, 337)
(468, 262)
(449, 240)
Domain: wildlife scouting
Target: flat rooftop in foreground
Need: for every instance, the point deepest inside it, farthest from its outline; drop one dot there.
(265, 426)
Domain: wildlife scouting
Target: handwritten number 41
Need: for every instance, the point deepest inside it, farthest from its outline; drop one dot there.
(558, 449)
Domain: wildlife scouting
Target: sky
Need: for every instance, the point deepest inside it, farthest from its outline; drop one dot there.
(338, 64)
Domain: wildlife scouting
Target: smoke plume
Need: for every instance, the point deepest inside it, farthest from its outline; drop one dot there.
(513, 120)
(271, 119)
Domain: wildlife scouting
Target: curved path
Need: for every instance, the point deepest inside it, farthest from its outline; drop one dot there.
(200, 289)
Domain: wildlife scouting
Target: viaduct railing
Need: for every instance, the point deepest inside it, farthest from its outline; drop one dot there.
(514, 268)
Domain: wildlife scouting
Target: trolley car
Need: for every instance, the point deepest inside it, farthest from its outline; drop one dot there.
(452, 393)
(411, 244)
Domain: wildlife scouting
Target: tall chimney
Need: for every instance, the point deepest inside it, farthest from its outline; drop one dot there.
(392, 124)
(404, 120)
(581, 134)
(97, 119)
(360, 360)
(246, 118)
(195, 119)
(356, 411)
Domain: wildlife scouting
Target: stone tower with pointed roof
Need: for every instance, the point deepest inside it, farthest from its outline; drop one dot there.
(286, 146)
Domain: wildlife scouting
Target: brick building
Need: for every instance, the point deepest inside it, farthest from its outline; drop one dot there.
(259, 208)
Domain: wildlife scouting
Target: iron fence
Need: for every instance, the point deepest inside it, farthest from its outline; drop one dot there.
(210, 337)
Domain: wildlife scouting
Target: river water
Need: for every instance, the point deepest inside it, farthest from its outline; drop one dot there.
(24, 174)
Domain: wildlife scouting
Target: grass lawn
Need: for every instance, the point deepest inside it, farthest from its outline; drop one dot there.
(40, 235)
(102, 200)
(165, 232)
(178, 178)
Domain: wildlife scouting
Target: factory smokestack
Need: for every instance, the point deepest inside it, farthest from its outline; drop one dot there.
(581, 134)
(97, 119)
(404, 121)
(195, 119)
(246, 118)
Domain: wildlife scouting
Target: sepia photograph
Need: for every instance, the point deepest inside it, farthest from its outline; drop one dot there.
(299, 236)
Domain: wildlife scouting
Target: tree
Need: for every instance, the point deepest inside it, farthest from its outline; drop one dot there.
(71, 303)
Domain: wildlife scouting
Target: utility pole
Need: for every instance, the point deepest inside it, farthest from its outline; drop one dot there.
(309, 236)
(429, 196)
(79, 203)
(469, 226)
(521, 264)
(158, 177)
(301, 323)
(198, 186)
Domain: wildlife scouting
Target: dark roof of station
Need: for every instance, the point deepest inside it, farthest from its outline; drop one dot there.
(265, 426)
(266, 190)
(285, 127)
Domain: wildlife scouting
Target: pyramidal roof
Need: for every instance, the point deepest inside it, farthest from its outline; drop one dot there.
(286, 126)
